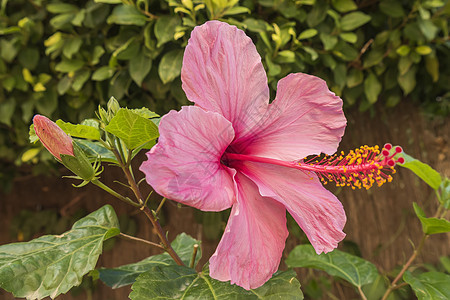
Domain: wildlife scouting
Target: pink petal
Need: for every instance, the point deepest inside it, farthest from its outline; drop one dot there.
(250, 249)
(185, 164)
(304, 119)
(318, 212)
(222, 72)
(52, 137)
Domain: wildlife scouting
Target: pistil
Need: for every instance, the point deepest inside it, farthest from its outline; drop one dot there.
(361, 167)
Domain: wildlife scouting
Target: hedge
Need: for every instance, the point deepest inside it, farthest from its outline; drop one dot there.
(64, 58)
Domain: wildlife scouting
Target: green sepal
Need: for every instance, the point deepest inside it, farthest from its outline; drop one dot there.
(78, 164)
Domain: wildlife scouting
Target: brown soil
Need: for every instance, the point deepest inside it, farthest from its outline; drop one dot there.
(381, 221)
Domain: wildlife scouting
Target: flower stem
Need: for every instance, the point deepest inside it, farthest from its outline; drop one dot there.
(362, 293)
(133, 238)
(159, 231)
(394, 285)
(114, 193)
(165, 242)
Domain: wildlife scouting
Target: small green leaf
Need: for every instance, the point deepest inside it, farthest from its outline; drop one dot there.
(429, 285)
(403, 50)
(170, 66)
(103, 73)
(80, 131)
(69, 65)
(373, 58)
(407, 81)
(140, 66)
(127, 15)
(236, 10)
(61, 8)
(132, 129)
(351, 268)
(344, 5)
(432, 66)
(51, 265)
(423, 50)
(349, 37)
(308, 33)
(354, 20)
(372, 88)
(424, 171)
(165, 28)
(127, 274)
(404, 64)
(354, 78)
(179, 282)
(328, 41)
(392, 8)
(431, 225)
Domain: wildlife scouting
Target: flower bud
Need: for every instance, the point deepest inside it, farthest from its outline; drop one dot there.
(63, 148)
(52, 137)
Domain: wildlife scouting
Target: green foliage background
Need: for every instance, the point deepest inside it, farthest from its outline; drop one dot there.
(63, 58)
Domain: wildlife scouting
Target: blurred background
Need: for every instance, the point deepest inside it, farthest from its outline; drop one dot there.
(388, 60)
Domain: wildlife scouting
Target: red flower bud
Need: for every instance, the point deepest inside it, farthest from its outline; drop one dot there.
(52, 137)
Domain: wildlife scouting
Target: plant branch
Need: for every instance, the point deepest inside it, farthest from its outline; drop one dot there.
(133, 238)
(159, 231)
(165, 242)
(362, 293)
(416, 252)
(114, 193)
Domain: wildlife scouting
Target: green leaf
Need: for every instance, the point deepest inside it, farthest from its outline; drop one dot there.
(428, 29)
(51, 265)
(80, 131)
(170, 66)
(373, 58)
(308, 33)
(404, 64)
(328, 41)
(69, 65)
(61, 8)
(178, 282)
(403, 50)
(236, 10)
(431, 225)
(72, 46)
(349, 37)
(354, 20)
(103, 73)
(424, 171)
(95, 150)
(354, 78)
(140, 66)
(145, 112)
(444, 193)
(165, 28)
(127, 15)
(392, 8)
(344, 5)
(132, 129)
(351, 268)
(407, 81)
(432, 66)
(372, 87)
(81, 76)
(423, 50)
(429, 285)
(317, 14)
(127, 274)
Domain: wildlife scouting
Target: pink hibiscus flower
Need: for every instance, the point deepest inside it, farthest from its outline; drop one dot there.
(234, 149)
